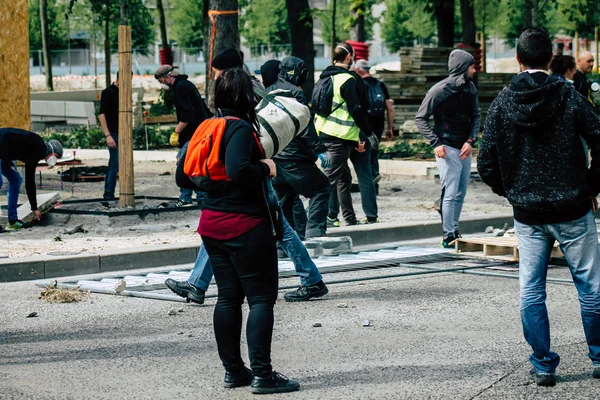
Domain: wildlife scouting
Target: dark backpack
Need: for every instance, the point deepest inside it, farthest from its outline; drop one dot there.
(322, 97)
(376, 99)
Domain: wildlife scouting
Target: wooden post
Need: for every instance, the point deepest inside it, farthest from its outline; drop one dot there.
(14, 65)
(596, 42)
(483, 50)
(126, 186)
(576, 45)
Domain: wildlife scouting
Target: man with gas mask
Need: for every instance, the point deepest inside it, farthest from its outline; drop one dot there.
(342, 123)
(191, 111)
(29, 148)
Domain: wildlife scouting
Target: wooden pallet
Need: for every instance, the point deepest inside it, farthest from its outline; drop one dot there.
(502, 248)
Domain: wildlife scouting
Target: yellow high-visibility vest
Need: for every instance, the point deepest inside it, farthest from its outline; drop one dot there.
(339, 123)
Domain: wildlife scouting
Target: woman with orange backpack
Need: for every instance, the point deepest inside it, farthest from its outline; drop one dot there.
(238, 233)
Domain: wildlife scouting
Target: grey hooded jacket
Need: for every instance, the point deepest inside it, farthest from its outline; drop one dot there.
(454, 105)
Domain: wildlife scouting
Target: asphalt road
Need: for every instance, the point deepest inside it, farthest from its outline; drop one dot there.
(444, 336)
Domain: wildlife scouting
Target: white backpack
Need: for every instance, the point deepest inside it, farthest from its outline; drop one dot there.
(281, 117)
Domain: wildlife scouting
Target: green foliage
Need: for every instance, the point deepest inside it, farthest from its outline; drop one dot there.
(403, 21)
(57, 25)
(264, 22)
(187, 23)
(165, 104)
(343, 20)
(423, 150)
(403, 149)
(83, 138)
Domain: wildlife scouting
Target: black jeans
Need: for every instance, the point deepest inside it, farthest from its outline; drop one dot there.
(245, 266)
(303, 178)
(343, 197)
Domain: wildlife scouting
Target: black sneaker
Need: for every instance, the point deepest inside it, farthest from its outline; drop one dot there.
(457, 235)
(448, 241)
(2, 230)
(596, 373)
(352, 222)
(545, 379)
(274, 383)
(304, 293)
(243, 378)
(183, 203)
(186, 290)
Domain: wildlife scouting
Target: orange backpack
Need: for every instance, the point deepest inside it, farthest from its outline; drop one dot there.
(202, 164)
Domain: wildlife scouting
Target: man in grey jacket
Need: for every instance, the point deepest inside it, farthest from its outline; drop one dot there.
(454, 105)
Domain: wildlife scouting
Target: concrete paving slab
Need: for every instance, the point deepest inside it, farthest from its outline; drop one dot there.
(55, 267)
(147, 257)
(32, 268)
(45, 201)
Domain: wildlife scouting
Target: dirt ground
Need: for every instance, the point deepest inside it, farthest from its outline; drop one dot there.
(400, 199)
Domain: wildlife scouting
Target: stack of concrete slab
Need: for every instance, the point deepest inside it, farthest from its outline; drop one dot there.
(328, 246)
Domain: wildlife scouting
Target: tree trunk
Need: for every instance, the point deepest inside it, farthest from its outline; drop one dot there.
(531, 14)
(46, 44)
(107, 44)
(123, 13)
(333, 33)
(206, 47)
(469, 29)
(444, 15)
(357, 31)
(227, 35)
(301, 23)
(163, 25)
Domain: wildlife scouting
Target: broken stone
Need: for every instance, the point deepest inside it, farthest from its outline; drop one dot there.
(180, 309)
(342, 305)
(172, 311)
(317, 325)
(120, 286)
(489, 229)
(180, 333)
(32, 314)
(366, 323)
(76, 229)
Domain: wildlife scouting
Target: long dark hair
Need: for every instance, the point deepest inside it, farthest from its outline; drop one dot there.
(233, 90)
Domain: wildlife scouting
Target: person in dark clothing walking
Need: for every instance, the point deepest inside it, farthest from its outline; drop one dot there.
(236, 230)
(191, 111)
(345, 129)
(269, 72)
(29, 148)
(109, 120)
(454, 104)
(531, 153)
(297, 172)
(379, 106)
(585, 65)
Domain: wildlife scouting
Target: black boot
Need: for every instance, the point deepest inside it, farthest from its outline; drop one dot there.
(239, 379)
(274, 383)
(304, 293)
(186, 290)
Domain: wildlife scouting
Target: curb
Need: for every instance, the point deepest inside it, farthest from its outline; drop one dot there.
(46, 267)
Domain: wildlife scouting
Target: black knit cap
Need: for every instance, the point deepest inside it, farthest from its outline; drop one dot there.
(229, 58)
(269, 72)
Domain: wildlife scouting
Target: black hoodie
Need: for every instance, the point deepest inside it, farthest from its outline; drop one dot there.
(189, 106)
(531, 150)
(307, 145)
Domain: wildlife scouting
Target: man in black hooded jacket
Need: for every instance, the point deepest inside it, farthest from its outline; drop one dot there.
(297, 173)
(531, 153)
(191, 112)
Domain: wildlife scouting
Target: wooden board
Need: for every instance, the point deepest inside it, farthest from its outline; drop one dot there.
(502, 248)
(14, 65)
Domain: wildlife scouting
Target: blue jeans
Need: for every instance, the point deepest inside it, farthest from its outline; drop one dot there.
(186, 194)
(578, 241)
(113, 170)
(305, 267)
(9, 170)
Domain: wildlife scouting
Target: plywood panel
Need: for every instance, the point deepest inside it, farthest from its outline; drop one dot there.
(14, 65)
